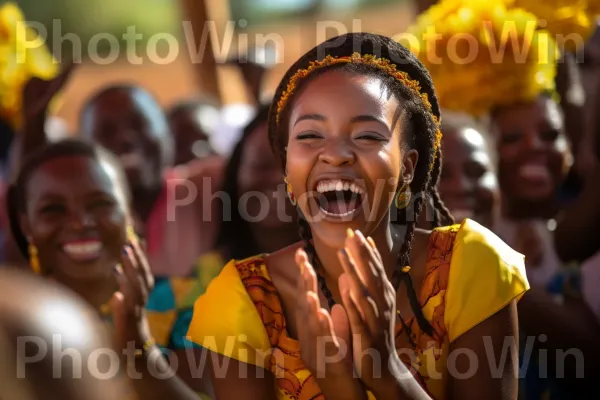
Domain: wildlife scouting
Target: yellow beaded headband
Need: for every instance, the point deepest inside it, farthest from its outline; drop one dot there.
(380, 63)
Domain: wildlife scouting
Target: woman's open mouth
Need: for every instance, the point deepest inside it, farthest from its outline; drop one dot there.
(83, 250)
(339, 198)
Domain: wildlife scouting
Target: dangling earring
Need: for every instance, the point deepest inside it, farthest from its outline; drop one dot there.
(34, 261)
(288, 188)
(403, 196)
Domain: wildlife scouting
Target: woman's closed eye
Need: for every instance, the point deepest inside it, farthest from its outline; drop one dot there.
(371, 136)
(52, 209)
(307, 135)
(101, 203)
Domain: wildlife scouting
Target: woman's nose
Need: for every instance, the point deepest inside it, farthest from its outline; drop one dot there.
(337, 153)
(81, 219)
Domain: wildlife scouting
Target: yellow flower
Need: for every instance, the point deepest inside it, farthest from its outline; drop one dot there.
(22, 56)
(484, 54)
(10, 17)
(564, 17)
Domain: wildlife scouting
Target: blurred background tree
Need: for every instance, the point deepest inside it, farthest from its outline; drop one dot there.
(86, 18)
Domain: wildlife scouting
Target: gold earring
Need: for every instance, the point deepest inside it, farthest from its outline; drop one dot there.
(34, 260)
(288, 188)
(403, 196)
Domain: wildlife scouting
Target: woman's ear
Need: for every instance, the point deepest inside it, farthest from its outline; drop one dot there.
(409, 163)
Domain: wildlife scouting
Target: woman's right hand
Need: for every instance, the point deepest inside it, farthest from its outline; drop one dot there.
(326, 352)
(129, 303)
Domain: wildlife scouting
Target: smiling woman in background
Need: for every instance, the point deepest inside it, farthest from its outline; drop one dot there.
(526, 121)
(72, 227)
(468, 183)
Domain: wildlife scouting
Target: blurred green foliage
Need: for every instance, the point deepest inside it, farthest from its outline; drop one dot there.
(87, 18)
(83, 20)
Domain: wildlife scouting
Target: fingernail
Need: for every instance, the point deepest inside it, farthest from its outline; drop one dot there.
(371, 242)
(350, 233)
(344, 252)
(360, 236)
(124, 249)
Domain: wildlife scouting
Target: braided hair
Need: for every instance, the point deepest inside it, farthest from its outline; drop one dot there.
(420, 128)
(442, 215)
(16, 198)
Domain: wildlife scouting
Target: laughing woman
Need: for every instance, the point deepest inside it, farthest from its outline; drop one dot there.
(355, 123)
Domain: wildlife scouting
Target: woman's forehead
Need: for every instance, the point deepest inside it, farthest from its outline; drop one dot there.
(347, 92)
(75, 174)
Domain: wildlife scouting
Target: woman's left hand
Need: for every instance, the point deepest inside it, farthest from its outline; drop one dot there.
(129, 303)
(323, 338)
(370, 302)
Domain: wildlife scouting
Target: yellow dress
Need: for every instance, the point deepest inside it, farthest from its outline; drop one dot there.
(471, 274)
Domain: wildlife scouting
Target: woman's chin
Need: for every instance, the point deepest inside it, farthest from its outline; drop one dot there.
(330, 238)
(96, 268)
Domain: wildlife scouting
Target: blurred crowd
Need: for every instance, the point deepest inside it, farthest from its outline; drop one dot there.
(195, 188)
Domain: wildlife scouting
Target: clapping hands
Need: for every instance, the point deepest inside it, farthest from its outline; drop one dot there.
(363, 323)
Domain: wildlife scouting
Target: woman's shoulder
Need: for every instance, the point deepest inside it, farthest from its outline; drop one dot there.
(484, 274)
(468, 238)
(260, 272)
(231, 316)
(280, 265)
(472, 241)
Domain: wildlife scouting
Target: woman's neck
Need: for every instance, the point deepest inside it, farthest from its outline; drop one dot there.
(388, 241)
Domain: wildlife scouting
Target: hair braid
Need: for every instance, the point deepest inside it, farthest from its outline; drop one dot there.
(306, 235)
(401, 275)
(444, 217)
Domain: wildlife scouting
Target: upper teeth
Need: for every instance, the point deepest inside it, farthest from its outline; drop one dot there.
(83, 248)
(338, 185)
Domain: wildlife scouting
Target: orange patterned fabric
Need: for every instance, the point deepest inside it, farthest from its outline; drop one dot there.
(295, 382)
